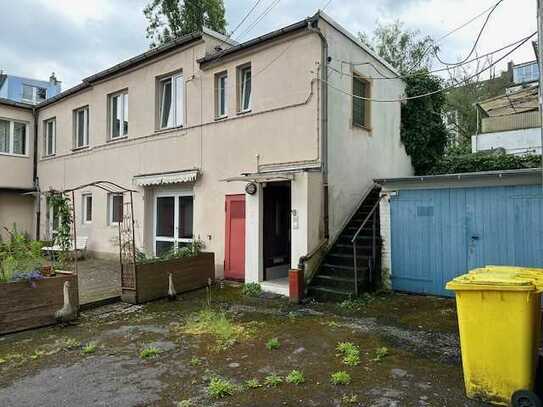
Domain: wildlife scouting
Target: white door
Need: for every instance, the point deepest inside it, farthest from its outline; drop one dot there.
(173, 221)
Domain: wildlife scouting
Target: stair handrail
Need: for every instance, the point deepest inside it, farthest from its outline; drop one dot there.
(371, 214)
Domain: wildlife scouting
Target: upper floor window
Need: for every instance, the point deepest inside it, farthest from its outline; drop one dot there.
(118, 115)
(34, 94)
(13, 137)
(171, 101)
(361, 107)
(245, 89)
(221, 109)
(87, 208)
(81, 127)
(49, 142)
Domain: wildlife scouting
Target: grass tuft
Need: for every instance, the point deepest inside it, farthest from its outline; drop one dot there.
(340, 378)
(295, 377)
(273, 380)
(252, 384)
(251, 290)
(273, 344)
(149, 352)
(195, 361)
(219, 388)
(89, 348)
(350, 353)
(380, 354)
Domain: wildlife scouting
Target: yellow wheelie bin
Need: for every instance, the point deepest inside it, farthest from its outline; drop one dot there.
(499, 322)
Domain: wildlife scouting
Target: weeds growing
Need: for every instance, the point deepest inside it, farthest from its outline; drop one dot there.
(252, 384)
(251, 290)
(340, 378)
(273, 344)
(380, 354)
(89, 348)
(350, 353)
(219, 388)
(273, 380)
(149, 352)
(295, 377)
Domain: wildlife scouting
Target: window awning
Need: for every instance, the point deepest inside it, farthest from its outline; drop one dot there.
(263, 177)
(166, 178)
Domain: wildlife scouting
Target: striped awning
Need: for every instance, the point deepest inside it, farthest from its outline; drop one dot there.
(166, 178)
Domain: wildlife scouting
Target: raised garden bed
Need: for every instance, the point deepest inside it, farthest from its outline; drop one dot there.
(24, 305)
(151, 279)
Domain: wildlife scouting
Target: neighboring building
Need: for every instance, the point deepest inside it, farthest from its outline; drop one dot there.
(190, 124)
(26, 90)
(510, 122)
(522, 76)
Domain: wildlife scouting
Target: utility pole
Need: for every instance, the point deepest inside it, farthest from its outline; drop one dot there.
(540, 64)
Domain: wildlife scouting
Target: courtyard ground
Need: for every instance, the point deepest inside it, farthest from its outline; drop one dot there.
(190, 351)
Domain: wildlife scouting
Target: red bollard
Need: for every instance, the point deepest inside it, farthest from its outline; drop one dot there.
(296, 285)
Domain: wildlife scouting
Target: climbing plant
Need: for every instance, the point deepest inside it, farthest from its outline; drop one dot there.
(60, 205)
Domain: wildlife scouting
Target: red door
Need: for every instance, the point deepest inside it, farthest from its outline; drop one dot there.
(234, 257)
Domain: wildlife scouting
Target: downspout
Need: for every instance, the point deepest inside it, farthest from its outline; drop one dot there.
(35, 178)
(314, 27)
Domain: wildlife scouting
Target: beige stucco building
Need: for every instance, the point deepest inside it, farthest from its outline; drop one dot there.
(257, 149)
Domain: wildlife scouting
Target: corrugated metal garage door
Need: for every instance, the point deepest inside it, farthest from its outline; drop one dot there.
(438, 234)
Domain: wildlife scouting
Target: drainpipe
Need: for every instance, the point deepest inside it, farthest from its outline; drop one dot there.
(36, 180)
(314, 27)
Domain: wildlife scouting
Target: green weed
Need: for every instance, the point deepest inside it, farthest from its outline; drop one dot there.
(219, 388)
(251, 290)
(349, 399)
(149, 352)
(252, 384)
(295, 377)
(341, 378)
(37, 354)
(357, 303)
(185, 403)
(89, 348)
(273, 344)
(273, 380)
(195, 361)
(350, 353)
(380, 354)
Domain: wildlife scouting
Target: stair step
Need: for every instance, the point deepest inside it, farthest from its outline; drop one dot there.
(329, 294)
(333, 281)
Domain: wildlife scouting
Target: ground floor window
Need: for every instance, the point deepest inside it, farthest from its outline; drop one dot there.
(87, 208)
(115, 205)
(173, 218)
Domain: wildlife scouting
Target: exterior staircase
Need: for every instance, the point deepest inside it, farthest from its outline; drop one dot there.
(335, 279)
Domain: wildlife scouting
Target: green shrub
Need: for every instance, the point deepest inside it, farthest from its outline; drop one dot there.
(340, 378)
(193, 249)
(219, 388)
(295, 377)
(251, 290)
(484, 161)
(273, 344)
(19, 255)
(273, 380)
(195, 361)
(89, 348)
(149, 352)
(356, 304)
(381, 353)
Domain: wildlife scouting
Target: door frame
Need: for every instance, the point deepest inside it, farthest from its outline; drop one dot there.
(227, 219)
(175, 194)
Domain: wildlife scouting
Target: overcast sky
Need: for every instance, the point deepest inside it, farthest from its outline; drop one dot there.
(76, 38)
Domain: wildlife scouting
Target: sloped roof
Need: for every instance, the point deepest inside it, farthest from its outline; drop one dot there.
(12, 103)
(524, 100)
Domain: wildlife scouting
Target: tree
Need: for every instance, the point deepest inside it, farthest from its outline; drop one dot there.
(405, 50)
(422, 130)
(170, 19)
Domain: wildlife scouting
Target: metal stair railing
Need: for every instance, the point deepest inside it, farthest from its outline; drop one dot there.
(371, 262)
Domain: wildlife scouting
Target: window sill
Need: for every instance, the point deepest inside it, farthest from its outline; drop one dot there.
(117, 139)
(361, 127)
(168, 129)
(82, 148)
(45, 157)
(219, 118)
(14, 155)
(241, 112)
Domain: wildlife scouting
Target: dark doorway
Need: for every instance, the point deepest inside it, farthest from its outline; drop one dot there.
(277, 234)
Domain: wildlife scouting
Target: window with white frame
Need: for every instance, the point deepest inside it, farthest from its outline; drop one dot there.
(34, 94)
(53, 220)
(81, 127)
(49, 139)
(171, 101)
(87, 208)
(118, 123)
(245, 88)
(13, 137)
(115, 204)
(221, 103)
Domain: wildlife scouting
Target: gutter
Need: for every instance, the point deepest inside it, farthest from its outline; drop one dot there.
(35, 179)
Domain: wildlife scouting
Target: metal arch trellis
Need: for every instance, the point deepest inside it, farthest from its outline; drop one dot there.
(126, 232)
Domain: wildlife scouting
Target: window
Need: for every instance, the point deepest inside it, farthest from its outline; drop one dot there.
(53, 220)
(118, 115)
(49, 141)
(81, 127)
(115, 208)
(245, 89)
(361, 107)
(171, 101)
(13, 137)
(221, 109)
(34, 94)
(87, 208)
(526, 73)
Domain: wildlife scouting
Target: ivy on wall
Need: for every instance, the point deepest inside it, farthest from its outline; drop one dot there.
(484, 161)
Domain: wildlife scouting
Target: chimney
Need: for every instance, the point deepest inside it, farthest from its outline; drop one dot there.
(54, 81)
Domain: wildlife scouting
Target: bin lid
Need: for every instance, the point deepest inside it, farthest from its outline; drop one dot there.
(483, 280)
(534, 274)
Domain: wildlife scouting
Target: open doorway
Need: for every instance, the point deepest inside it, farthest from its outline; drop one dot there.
(277, 231)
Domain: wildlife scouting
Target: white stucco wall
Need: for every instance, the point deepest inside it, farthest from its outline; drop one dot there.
(514, 142)
(17, 209)
(356, 155)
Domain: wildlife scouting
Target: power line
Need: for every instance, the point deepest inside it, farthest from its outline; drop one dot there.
(326, 5)
(433, 92)
(384, 77)
(440, 39)
(476, 40)
(245, 18)
(259, 18)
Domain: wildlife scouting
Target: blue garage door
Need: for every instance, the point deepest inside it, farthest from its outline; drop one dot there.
(441, 233)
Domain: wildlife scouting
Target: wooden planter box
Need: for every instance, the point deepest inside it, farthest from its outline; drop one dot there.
(151, 279)
(23, 307)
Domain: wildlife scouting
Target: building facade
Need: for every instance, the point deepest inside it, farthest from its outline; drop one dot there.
(27, 90)
(258, 150)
